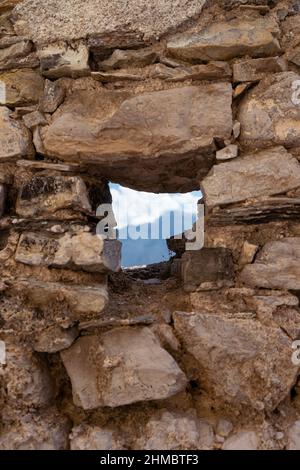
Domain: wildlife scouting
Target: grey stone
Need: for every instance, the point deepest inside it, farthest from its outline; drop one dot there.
(294, 436)
(122, 366)
(61, 60)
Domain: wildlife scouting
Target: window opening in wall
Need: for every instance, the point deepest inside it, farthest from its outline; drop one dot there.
(146, 220)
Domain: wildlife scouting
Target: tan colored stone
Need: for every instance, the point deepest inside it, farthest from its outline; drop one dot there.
(79, 251)
(34, 119)
(18, 55)
(27, 378)
(52, 97)
(129, 58)
(227, 40)
(85, 437)
(276, 266)
(81, 299)
(47, 194)
(22, 87)
(175, 431)
(139, 139)
(253, 70)
(60, 60)
(6, 5)
(266, 173)
(248, 253)
(269, 114)
(211, 71)
(122, 366)
(227, 153)
(242, 362)
(47, 430)
(15, 141)
(55, 339)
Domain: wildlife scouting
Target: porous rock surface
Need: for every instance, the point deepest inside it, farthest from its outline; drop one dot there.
(161, 96)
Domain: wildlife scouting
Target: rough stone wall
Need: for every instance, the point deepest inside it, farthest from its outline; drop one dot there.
(160, 96)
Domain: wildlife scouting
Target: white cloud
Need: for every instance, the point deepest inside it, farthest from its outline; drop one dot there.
(138, 208)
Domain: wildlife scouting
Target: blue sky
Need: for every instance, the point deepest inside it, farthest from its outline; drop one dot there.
(138, 209)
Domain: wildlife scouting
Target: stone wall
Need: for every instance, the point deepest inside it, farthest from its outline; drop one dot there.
(162, 96)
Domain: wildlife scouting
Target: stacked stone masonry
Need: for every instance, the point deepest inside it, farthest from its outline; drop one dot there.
(159, 96)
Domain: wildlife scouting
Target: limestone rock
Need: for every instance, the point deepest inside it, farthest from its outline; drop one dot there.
(266, 173)
(52, 97)
(2, 199)
(211, 71)
(85, 437)
(22, 87)
(175, 431)
(253, 70)
(47, 194)
(18, 55)
(228, 153)
(224, 427)
(27, 378)
(15, 139)
(118, 131)
(47, 430)
(269, 114)
(227, 40)
(256, 368)
(60, 60)
(248, 253)
(122, 366)
(276, 266)
(81, 251)
(55, 339)
(81, 299)
(206, 267)
(137, 20)
(294, 436)
(243, 440)
(130, 58)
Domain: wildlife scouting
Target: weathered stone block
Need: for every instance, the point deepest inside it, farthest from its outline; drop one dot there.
(227, 40)
(79, 251)
(122, 366)
(265, 173)
(242, 362)
(17, 55)
(130, 58)
(15, 141)
(85, 437)
(22, 87)
(81, 299)
(52, 97)
(44, 195)
(60, 60)
(145, 133)
(55, 339)
(175, 431)
(253, 70)
(276, 266)
(207, 268)
(269, 114)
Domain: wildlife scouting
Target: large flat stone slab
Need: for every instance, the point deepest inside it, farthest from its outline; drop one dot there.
(156, 141)
(22, 87)
(241, 361)
(277, 266)
(266, 173)
(227, 40)
(122, 366)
